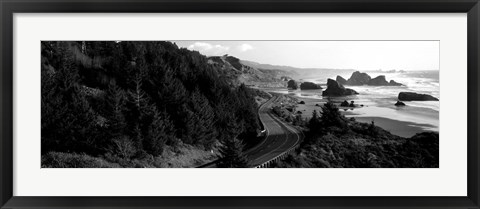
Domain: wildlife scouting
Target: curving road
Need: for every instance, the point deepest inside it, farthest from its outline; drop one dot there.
(280, 137)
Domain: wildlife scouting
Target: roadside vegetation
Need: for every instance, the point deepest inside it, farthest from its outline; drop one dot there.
(333, 141)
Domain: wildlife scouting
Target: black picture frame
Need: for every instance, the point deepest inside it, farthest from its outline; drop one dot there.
(9, 7)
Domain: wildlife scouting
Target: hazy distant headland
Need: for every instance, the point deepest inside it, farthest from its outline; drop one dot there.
(156, 104)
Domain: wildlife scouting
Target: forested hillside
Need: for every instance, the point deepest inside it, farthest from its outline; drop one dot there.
(124, 102)
(239, 72)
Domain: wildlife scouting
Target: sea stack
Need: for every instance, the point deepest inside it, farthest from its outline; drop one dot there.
(378, 81)
(412, 96)
(341, 80)
(309, 86)
(399, 103)
(292, 84)
(360, 79)
(336, 89)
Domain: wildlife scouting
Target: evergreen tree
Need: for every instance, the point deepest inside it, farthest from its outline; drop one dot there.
(139, 110)
(372, 130)
(159, 132)
(226, 122)
(232, 154)
(67, 118)
(137, 95)
(204, 132)
(115, 105)
(187, 125)
(150, 93)
(247, 113)
(331, 117)
(171, 92)
(314, 122)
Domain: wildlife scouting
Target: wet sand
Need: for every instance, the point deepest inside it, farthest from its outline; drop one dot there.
(400, 128)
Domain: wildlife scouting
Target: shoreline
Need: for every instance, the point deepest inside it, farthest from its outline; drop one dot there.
(405, 129)
(396, 127)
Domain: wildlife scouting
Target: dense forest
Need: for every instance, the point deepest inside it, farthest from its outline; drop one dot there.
(119, 103)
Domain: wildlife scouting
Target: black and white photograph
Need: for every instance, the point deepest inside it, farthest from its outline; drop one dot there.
(240, 104)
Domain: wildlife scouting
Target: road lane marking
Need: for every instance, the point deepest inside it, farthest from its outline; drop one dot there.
(267, 130)
(289, 128)
(278, 147)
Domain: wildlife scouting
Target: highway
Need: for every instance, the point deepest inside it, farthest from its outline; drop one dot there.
(280, 137)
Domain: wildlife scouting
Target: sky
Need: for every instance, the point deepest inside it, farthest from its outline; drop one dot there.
(358, 55)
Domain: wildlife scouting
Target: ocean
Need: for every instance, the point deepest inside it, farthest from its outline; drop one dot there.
(379, 101)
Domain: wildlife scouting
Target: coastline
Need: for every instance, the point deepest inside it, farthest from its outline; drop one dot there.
(396, 127)
(401, 128)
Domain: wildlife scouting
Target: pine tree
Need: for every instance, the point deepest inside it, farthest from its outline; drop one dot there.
(187, 125)
(232, 154)
(171, 92)
(204, 132)
(159, 132)
(139, 109)
(314, 122)
(67, 118)
(247, 113)
(227, 125)
(149, 93)
(331, 116)
(372, 130)
(115, 106)
(137, 95)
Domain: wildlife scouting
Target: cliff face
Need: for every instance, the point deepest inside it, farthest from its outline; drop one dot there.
(240, 72)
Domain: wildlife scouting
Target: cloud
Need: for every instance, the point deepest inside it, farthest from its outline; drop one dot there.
(245, 47)
(209, 49)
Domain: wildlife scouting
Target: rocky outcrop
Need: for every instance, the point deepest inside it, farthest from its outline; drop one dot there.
(346, 104)
(309, 86)
(412, 96)
(381, 81)
(341, 80)
(292, 84)
(399, 103)
(378, 81)
(352, 104)
(336, 89)
(393, 83)
(359, 79)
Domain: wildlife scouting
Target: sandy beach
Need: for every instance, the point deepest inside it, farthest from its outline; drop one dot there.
(397, 127)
